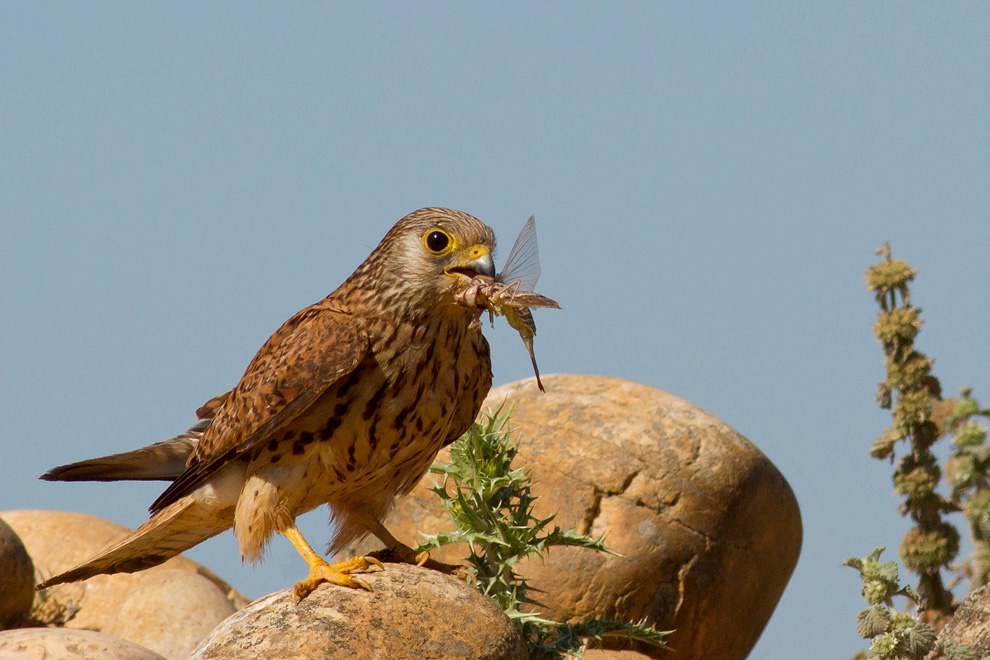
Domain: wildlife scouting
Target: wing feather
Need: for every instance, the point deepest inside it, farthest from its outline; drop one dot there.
(310, 352)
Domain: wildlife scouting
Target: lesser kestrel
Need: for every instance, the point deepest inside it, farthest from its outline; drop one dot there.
(346, 404)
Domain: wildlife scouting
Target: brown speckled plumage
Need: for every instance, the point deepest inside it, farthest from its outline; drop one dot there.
(346, 404)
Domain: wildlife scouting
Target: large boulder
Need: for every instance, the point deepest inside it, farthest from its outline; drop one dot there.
(169, 612)
(66, 644)
(969, 626)
(58, 541)
(412, 613)
(16, 578)
(707, 529)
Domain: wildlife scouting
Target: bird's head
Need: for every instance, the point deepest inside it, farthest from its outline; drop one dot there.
(429, 253)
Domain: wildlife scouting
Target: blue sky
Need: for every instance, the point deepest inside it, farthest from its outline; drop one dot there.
(709, 183)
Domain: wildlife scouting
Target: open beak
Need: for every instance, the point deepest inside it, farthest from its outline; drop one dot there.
(478, 261)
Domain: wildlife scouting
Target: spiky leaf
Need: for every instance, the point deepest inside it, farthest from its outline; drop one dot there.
(491, 506)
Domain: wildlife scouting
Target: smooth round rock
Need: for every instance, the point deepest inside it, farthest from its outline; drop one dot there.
(170, 612)
(66, 644)
(58, 540)
(708, 529)
(606, 654)
(412, 613)
(16, 577)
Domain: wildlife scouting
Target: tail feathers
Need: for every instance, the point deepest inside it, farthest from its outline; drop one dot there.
(162, 461)
(173, 530)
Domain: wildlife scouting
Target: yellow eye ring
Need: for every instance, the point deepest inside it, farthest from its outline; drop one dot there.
(438, 242)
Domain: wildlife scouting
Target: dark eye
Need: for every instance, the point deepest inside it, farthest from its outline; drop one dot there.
(437, 241)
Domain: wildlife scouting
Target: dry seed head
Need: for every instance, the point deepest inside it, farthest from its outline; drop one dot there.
(917, 482)
(926, 551)
(889, 275)
(913, 409)
(898, 327)
(908, 372)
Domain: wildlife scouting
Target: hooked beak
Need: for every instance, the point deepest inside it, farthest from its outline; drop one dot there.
(478, 262)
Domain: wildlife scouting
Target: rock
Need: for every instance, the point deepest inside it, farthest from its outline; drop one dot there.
(16, 578)
(605, 654)
(169, 612)
(969, 626)
(66, 644)
(412, 613)
(708, 529)
(58, 541)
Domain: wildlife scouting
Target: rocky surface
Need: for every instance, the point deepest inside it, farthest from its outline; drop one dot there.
(605, 654)
(170, 612)
(167, 609)
(707, 528)
(970, 626)
(16, 578)
(413, 613)
(66, 644)
(96, 600)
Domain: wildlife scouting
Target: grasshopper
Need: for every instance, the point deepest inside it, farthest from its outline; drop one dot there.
(510, 293)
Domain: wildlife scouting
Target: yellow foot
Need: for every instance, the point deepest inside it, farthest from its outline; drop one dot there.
(340, 573)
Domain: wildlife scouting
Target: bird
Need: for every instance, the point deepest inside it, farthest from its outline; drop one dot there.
(346, 404)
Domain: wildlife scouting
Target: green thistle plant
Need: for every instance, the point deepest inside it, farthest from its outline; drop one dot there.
(491, 506)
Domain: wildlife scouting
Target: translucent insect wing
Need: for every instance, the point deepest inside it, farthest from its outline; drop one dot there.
(523, 262)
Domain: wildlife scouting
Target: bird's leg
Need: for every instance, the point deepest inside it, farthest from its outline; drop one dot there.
(398, 551)
(321, 571)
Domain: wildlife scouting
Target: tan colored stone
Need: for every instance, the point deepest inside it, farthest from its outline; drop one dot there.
(16, 578)
(970, 626)
(59, 540)
(708, 529)
(608, 654)
(169, 612)
(412, 613)
(66, 644)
